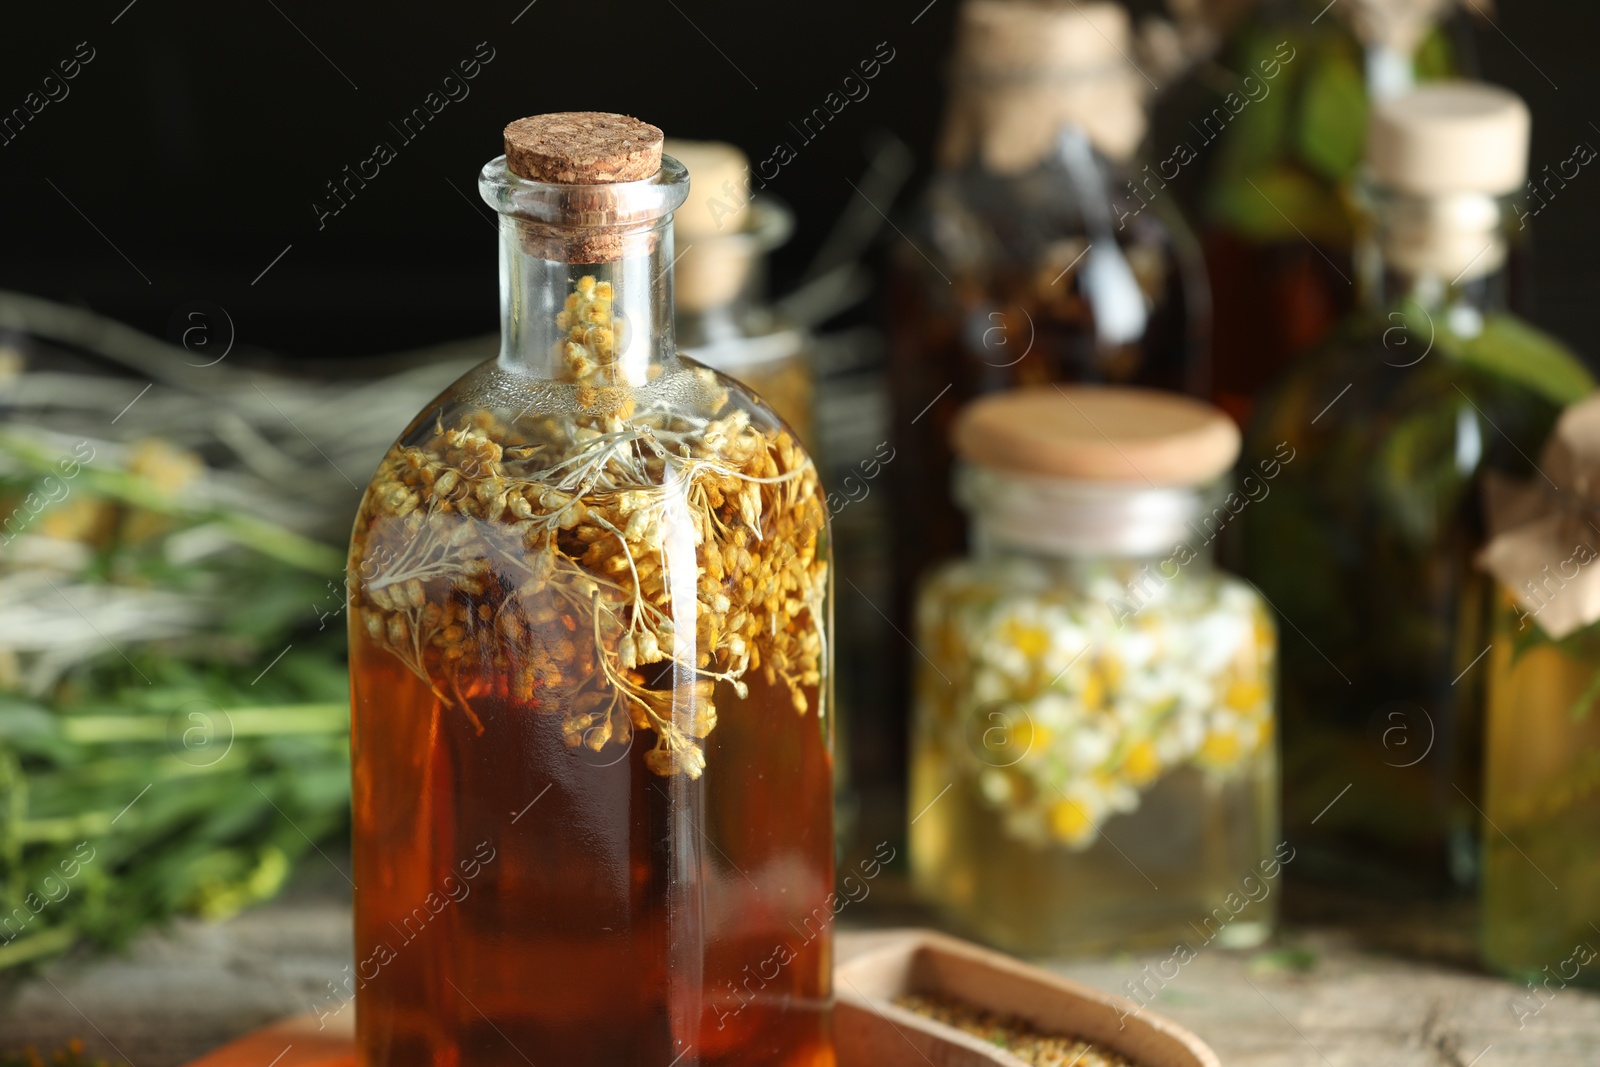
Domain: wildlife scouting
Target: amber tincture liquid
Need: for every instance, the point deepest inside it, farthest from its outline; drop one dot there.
(591, 731)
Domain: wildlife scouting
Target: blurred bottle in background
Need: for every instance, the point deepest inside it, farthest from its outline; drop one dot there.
(1094, 716)
(723, 233)
(1541, 832)
(1279, 115)
(1031, 259)
(1366, 544)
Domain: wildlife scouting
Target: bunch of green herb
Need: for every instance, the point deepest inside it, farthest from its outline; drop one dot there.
(173, 697)
(160, 769)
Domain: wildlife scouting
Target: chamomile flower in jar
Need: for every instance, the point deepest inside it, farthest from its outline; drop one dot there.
(1093, 755)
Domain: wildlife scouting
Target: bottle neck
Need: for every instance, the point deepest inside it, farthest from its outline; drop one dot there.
(548, 335)
(723, 324)
(1446, 252)
(586, 276)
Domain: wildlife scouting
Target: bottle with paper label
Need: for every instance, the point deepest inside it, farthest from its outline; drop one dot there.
(1541, 803)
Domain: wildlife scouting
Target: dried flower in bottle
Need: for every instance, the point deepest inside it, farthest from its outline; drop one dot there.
(582, 508)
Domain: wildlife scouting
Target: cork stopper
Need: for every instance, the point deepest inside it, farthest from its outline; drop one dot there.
(601, 185)
(1043, 35)
(1025, 68)
(1450, 137)
(719, 189)
(582, 148)
(715, 257)
(1098, 434)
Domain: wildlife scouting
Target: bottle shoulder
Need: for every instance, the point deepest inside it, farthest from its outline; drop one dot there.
(1382, 370)
(684, 405)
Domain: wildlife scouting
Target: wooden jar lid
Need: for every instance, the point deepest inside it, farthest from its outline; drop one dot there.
(583, 148)
(1098, 434)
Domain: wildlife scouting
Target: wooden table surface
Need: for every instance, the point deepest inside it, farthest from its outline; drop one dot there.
(1321, 998)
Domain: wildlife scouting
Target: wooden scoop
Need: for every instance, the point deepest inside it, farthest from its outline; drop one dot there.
(875, 969)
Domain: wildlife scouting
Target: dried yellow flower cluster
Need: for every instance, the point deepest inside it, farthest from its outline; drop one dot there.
(545, 561)
(594, 335)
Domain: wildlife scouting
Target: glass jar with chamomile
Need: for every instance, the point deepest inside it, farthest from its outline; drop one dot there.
(1094, 701)
(589, 658)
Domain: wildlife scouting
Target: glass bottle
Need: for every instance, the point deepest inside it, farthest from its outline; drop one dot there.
(723, 234)
(1280, 124)
(1039, 254)
(589, 660)
(1366, 546)
(1541, 800)
(1093, 756)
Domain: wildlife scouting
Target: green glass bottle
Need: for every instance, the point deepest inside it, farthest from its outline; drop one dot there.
(1365, 544)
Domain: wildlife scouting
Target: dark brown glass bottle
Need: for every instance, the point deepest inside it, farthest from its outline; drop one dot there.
(1033, 257)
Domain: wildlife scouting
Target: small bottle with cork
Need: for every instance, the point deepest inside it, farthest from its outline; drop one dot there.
(589, 652)
(1541, 795)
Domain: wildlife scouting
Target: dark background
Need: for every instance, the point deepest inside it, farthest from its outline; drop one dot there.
(198, 137)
